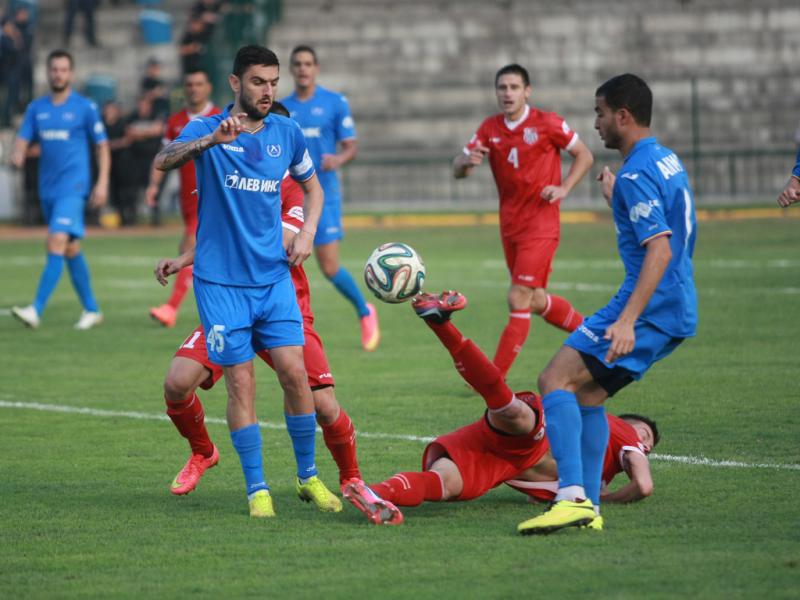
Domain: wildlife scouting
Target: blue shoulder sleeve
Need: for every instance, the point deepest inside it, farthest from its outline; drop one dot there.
(644, 205)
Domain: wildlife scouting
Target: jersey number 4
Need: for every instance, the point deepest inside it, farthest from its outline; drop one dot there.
(513, 158)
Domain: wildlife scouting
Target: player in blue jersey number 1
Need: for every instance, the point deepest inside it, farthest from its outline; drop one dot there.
(65, 125)
(244, 292)
(654, 310)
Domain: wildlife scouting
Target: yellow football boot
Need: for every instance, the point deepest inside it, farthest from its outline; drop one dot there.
(315, 491)
(261, 504)
(596, 524)
(561, 514)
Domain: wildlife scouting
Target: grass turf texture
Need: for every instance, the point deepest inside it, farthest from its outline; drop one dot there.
(86, 509)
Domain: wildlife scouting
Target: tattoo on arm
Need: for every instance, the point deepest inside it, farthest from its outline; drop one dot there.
(176, 155)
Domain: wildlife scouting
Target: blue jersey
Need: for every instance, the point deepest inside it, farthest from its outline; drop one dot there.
(239, 234)
(325, 120)
(796, 170)
(651, 198)
(65, 132)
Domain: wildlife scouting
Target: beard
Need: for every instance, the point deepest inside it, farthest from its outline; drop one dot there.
(57, 89)
(612, 140)
(252, 111)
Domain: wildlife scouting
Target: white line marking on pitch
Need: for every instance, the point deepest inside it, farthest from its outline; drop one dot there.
(97, 412)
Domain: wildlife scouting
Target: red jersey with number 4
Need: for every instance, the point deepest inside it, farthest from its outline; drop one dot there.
(175, 125)
(525, 157)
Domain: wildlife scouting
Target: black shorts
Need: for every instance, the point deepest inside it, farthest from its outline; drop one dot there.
(611, 379)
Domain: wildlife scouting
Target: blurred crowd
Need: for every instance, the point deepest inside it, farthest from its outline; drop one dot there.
(135, 126)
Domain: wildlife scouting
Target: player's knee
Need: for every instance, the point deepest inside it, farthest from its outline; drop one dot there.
(177, 386)
(293, 377)
(538, 301)
(519, 298)
(549, 380)
(325, 405)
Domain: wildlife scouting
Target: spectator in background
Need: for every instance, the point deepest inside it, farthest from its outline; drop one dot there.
(153, 85)
(143, 130)
(193, 45)
(87, 7)
(122, 182)
(16, 67)
(210, 11)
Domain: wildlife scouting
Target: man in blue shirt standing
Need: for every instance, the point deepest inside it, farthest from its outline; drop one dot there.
(66, 125)
(791, 192)
(654, 310)
(327, 124)
(244, 292)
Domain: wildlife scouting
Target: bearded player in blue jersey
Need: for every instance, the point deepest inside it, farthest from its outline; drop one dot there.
(330, 133)
(654, 310)
(244, 293)
(65, 125)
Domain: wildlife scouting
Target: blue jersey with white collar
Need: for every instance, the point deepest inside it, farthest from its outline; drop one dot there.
(325, 120)
(65, 132)
(652, 198)
(239, 234)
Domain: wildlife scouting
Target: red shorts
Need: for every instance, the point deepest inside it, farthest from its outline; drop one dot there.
(529, 260)
(189, 213)
(484, 457)
(319, 373)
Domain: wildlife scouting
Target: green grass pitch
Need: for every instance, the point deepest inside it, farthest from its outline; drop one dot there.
(85, 509)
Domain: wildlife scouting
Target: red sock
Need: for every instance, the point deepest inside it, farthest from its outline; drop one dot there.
(189, 420)
(512, 339)
(410, 489)
(482, 374)
(340, 438)
(561, 313)
(449, 335)
(182, 283)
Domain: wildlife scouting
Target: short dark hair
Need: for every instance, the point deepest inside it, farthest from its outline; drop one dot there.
(279, 109)
(630, 92)
(247, 56)
(196, 72)
(303, 48)
(60, 54)
(647, 421)
(514, 69)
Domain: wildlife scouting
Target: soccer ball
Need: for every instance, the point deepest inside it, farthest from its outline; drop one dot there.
(394, 272)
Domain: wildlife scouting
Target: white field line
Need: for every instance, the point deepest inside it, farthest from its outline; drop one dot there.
(110, 414)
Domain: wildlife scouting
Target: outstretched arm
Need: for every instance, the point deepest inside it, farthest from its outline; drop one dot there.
(178, 154)
(464, 163)
(640, 485)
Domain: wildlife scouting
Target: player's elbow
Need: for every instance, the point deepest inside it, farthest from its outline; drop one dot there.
(645, 488)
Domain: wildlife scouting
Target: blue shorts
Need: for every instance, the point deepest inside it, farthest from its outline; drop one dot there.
(64, 215)
(651, 344)
(240, 320)
(329, 228)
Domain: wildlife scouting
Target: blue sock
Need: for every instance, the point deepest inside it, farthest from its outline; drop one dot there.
(347, 287)
(48, 281)
(594, 439)
(563, 418)
(79, 272)
(303, 429)
(247, 442)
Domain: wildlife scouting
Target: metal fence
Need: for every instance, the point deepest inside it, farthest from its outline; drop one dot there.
(385, 183)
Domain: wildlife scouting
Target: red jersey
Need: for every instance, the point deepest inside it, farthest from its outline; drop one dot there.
(622, 438)
(525, 157)
(292, 208)
(173, 128)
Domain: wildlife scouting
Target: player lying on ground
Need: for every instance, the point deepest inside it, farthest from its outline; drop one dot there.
(191, 368)
(508, 445)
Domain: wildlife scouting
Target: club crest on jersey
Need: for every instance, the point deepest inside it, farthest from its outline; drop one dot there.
(317, 111)
(274, 150)
(529, 135)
